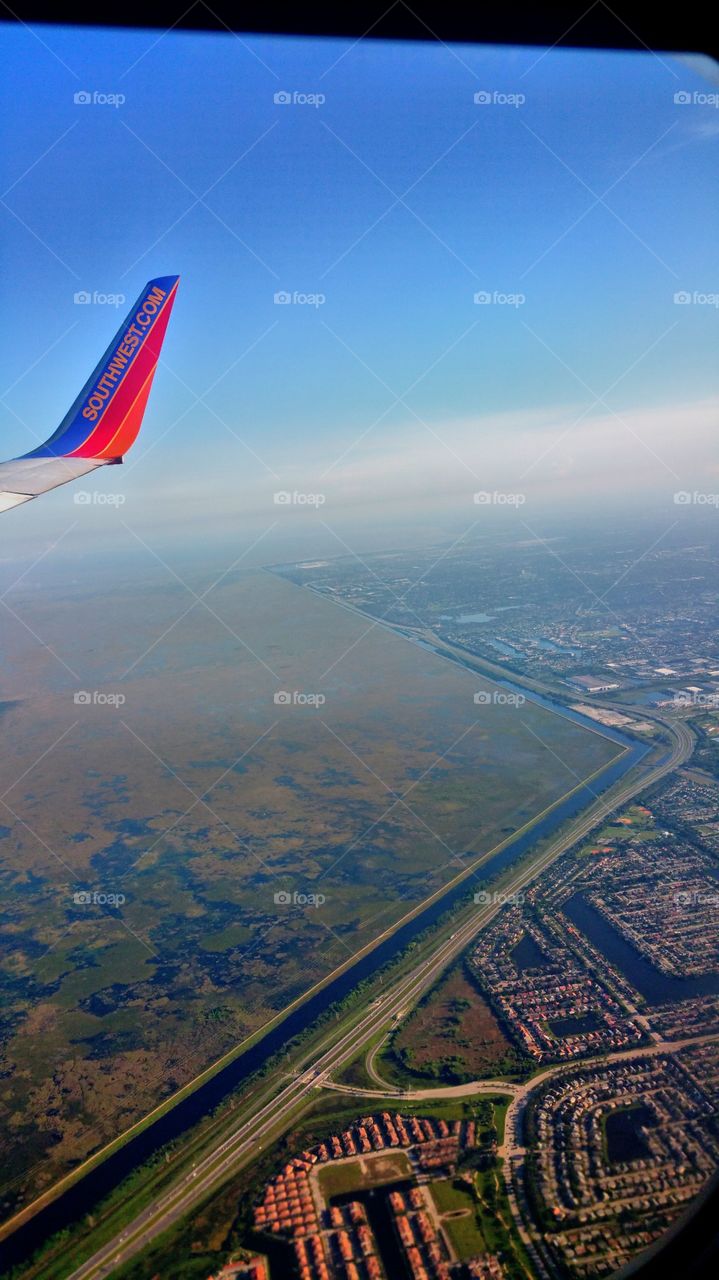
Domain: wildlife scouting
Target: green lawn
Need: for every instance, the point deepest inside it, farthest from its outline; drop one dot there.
(357, 1175)
(453, 1197)
(500, 1116)
(497, 1224)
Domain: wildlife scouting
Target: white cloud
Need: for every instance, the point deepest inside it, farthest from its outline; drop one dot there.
(551, 455)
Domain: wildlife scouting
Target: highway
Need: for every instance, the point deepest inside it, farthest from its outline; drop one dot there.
(243, 1142)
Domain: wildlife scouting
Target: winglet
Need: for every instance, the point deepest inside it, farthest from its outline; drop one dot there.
(104, 420)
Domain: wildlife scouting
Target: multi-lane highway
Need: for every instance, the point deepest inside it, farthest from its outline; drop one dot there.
(242, 1142)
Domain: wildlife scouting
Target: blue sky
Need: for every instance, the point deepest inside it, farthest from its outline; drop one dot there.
(501, 198)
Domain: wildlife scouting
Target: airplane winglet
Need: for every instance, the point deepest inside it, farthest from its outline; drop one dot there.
(105, 419)
(103, 422)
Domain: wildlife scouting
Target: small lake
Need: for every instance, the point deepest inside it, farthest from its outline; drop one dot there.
(528, 955)
(549, 646)
(507, 649)
(656, 987)
(575, 1025)
(624, 1132)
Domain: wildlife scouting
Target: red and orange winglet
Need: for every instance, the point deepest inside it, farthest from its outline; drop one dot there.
(104, 420)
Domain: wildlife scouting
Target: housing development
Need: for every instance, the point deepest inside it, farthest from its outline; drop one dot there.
(606, 1143)
(341, 1235)
(615, 1152)
(603, 973)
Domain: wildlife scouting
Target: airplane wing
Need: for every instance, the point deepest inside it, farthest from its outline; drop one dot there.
(103, 423)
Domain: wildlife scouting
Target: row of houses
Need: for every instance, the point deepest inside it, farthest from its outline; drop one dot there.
(335, 1240)
(424, 1250)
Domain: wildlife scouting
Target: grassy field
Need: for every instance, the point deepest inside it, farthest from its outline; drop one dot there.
(498, 1225)
(475, 1214)
(451, 1037)
(477, 1219)
(358, 1175)
(110, 1012)
(631, 822)
(456, 1204)
(490, 1114)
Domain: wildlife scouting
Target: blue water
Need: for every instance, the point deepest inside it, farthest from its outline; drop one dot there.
(656, 987)
(507, 649)
(527, 955)
(550, 647)
(479, 616)
(626, 1139)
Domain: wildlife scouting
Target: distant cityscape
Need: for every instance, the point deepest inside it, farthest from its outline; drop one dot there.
(598, 616)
